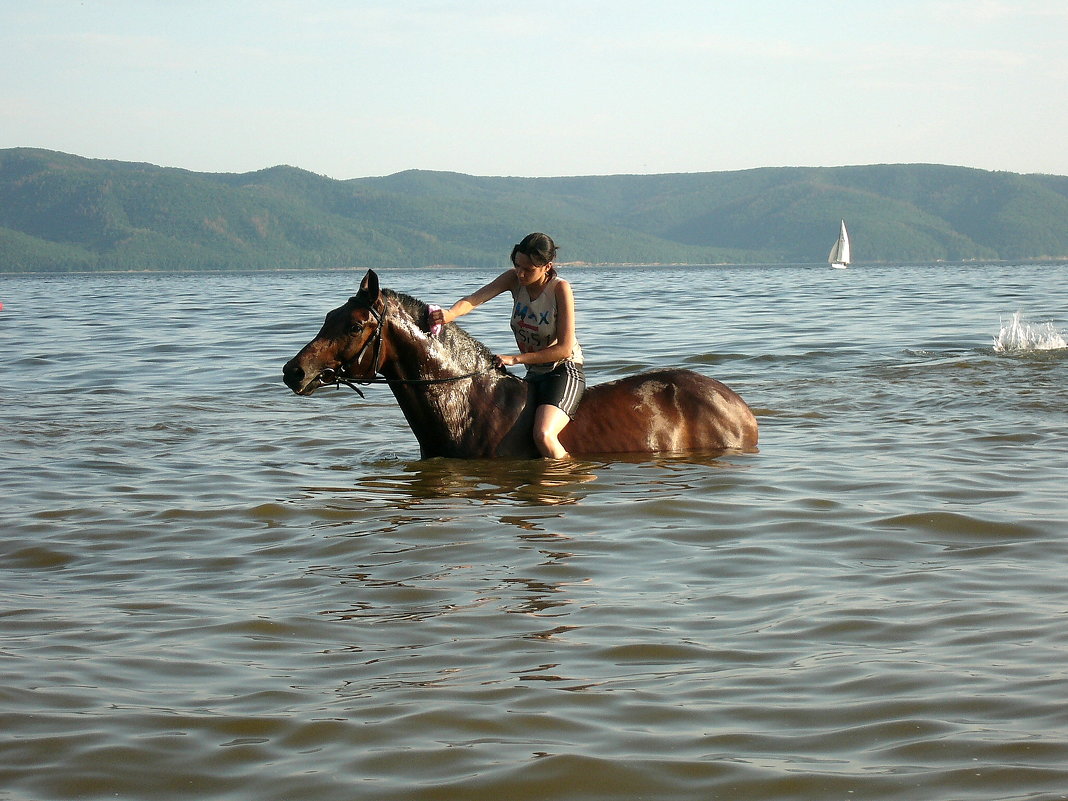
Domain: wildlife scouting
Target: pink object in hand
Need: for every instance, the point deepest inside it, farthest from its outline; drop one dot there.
(435, 329)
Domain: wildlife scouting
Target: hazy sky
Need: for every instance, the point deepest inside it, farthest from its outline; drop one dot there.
(352, 88)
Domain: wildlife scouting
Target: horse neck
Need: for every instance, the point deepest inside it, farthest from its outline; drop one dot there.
(456, 416)
(411, 354)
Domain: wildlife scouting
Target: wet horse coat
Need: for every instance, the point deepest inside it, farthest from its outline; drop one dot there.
(459, 405)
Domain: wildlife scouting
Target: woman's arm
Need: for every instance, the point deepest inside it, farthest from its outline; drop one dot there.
(502, 283)
(565, 332)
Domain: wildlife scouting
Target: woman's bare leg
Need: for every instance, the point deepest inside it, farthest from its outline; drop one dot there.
(549, 421)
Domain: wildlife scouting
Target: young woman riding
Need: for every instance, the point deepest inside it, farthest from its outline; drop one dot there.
(543, 321)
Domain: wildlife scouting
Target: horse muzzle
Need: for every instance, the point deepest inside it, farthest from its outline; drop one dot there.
(300, 381)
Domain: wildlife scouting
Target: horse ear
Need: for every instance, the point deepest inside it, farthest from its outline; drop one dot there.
(369, 287)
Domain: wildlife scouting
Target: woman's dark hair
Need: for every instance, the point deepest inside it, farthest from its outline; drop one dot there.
(539, 248)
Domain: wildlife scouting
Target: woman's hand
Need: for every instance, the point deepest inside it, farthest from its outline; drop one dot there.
(505, 361)
(437, 317)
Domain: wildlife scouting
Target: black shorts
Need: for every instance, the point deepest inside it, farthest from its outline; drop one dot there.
(561, 387)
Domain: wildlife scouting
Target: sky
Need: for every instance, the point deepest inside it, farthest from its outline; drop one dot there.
(356, 88)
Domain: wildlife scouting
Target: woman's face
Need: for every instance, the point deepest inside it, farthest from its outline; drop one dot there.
(529, 273)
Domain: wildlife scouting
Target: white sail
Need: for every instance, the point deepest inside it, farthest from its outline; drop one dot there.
(840, 252)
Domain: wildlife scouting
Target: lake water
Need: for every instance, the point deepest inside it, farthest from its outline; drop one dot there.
(212, 588)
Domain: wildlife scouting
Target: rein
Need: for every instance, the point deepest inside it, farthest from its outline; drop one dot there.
(338, 376)
(379, 379)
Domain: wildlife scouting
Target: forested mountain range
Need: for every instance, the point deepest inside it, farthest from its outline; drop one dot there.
(60, 212)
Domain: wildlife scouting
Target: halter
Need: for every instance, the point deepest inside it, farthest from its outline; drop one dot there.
(339, 378)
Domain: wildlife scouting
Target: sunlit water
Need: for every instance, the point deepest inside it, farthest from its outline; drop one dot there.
(215, 589)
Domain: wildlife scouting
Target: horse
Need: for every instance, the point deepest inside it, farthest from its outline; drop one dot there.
(459, 405)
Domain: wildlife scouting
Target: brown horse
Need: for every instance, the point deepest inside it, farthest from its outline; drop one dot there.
(459, 405)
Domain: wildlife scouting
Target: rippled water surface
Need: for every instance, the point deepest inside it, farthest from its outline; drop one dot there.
(212, 588)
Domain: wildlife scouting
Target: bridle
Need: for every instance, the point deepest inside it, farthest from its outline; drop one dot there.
(337, 377)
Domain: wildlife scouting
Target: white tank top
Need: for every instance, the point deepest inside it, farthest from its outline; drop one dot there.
(534, 324)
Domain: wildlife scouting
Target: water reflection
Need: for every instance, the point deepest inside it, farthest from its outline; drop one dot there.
(539, 482)
(536, 597)
(432, 550)
(421, 485)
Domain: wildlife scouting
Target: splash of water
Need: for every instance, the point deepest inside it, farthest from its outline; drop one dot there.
(1018, 335)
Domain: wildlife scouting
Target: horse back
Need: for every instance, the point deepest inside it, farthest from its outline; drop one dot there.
(665, 411)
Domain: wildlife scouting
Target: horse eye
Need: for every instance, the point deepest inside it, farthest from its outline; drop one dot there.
(356, 328)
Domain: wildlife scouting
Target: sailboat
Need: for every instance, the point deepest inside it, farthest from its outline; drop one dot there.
(839, 258)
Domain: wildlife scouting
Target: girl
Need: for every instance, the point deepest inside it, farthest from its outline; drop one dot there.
(543, 321)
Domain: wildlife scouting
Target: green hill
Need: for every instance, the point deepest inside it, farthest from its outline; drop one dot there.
(60, 212)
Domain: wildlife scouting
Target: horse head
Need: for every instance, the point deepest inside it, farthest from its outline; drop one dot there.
(347, 347)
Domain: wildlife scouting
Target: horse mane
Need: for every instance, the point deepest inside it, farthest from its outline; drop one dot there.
(460, 343)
